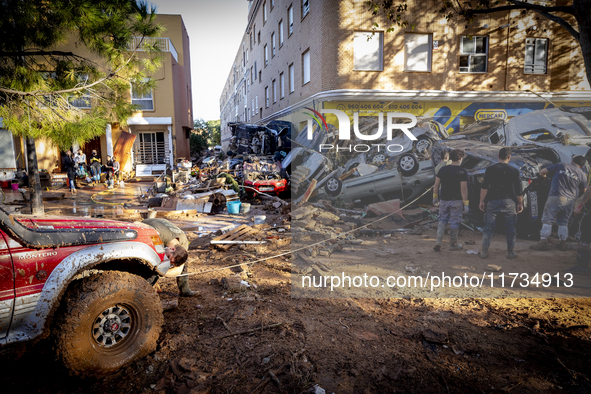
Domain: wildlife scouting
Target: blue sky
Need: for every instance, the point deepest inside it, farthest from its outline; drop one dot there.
(215, 30)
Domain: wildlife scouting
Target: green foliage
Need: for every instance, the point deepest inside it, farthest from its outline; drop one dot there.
(208, 134)
(198, 142)
(38, 81)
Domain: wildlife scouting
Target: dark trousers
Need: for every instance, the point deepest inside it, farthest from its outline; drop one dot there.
(506, 208)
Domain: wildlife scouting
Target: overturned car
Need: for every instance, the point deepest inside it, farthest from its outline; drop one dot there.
(528, 159)
(567, 132)
(258, 139)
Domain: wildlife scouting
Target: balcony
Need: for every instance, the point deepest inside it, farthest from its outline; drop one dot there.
(163, 43)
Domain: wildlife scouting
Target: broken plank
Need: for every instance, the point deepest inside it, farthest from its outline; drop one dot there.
(238, 242)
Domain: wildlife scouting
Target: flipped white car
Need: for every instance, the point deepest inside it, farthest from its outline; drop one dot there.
(568, 133)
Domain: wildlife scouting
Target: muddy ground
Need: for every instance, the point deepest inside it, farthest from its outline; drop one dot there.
(350, 345)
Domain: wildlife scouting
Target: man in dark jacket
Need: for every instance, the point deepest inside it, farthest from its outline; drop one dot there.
(501, 195)
(177, 245)
(70, 167)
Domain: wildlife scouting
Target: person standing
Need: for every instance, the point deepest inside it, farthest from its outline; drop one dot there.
(70, 167)
(568, 180)
(444, 161)
(454, 198)
(116, 168)
(109, 171)
(95, 167)
(177, 246)
(500, 194)
(584, 234)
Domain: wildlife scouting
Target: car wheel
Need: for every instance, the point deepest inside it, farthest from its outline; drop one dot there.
(378, 158)
(107, 321)
(408, 164)
(333, 186)
(423, 144)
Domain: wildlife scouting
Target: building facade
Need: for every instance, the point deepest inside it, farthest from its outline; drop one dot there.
(154, 137)
(298, 54)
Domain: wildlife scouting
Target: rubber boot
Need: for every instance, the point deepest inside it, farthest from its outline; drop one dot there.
(486, 238)
(184, 289)
(583, 257)
(454, 245)
(440, 232)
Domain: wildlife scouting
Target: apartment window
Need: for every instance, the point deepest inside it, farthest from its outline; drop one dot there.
(274, 91)
(254, 75)
(306, 67)
(368, 51)
(273, 44)
(253, 30)
(246, 56)
(290, 20)
(265, 11)
(256, 102)
(266, 97)
(305, 8)
(266, 55)
(252, 105)
(259, 36)
(473, 54)
(249, 114)
(417, 52)
(272, 4)
(144, 100)
(280, 29)
(291, 78)
(255, 70)
(536, 55)
(260, 76)
(281, 85)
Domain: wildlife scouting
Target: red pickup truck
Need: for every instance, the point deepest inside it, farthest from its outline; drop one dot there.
(87, 283)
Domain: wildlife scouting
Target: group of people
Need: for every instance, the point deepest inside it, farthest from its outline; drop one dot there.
(501, 195)
(76, 165)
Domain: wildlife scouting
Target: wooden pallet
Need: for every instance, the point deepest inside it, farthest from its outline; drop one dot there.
(240, 233)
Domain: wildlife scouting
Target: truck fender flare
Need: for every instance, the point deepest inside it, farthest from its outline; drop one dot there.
(32, 319)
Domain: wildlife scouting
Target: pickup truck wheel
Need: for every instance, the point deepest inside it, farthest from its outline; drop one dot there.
(108, 320)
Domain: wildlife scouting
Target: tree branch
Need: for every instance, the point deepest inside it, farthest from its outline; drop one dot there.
(40, 53)
(567, 26)
(111, 74)
(518, 5)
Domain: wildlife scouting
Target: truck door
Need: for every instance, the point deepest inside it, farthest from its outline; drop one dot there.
(6, 288)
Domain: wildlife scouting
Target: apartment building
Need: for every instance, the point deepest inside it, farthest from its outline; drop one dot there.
(325, 54)
(155, 136)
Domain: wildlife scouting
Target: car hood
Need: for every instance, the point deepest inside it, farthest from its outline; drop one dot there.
(65, 222)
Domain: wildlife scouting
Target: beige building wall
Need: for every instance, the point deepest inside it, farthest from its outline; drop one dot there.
(327, 31)
(172, 96)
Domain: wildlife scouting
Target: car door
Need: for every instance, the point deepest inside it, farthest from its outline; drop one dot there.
(7, 292)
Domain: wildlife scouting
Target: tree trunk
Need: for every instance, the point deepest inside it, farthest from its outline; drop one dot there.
(34, 182)
(583, 16)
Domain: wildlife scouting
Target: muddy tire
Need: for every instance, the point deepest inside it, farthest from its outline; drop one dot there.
(107, 321)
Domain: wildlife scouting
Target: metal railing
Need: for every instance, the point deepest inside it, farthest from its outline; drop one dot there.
(151, 153)
(164, 44)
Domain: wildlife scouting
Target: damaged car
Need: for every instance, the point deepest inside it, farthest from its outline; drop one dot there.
(258, 139)
(263, 177)
(568, 133)
(528, 159)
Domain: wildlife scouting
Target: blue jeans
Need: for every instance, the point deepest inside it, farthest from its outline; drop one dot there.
(506, 208)
(451, 212)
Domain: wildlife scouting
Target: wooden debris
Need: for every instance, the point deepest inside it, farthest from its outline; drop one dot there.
(240, 233)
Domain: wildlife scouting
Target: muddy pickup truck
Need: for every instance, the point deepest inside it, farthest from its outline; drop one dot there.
(83, 282)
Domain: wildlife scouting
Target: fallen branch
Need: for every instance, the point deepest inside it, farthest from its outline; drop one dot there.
(249, 331)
